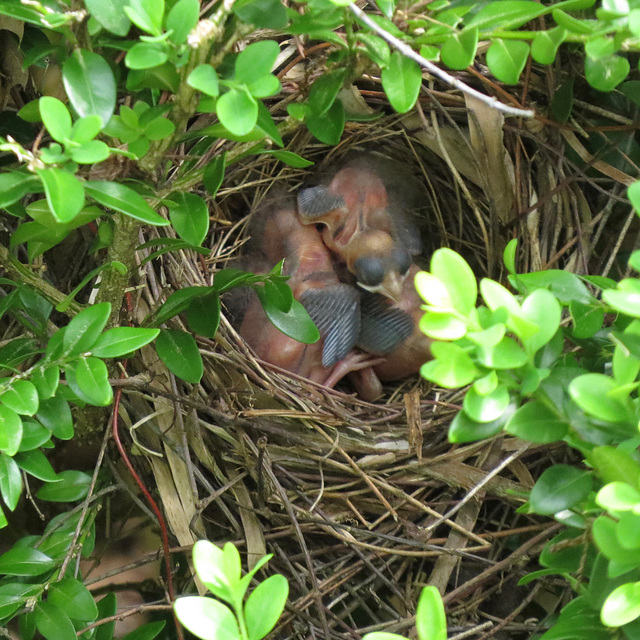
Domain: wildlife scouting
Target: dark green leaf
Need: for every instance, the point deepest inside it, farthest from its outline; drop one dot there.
(107, 608)
(294, 323)
(36, 464)
(179, 352)
(90, 381)
(53, 623)
(124, 199)
(22, 397)
(508, 14)
(614, 465)
(24, 561)
(560, 487)
(72, 485)
(189, 216)
(324, 91)
(83, 330)
(14, 185)
(329, 127)
(289, 158)
(34, 435)
(55, 415)
(593, 393)
(65, 193)
(146, 631)
(587, 319)
(70, 595)
(203, 315)
(121, 341)
(264, 14)
(537, 423)
(214, 174)
(90, 84)
(177, 302)
(564, 285)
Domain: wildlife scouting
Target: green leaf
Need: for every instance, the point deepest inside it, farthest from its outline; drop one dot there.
(507, 354)
(65, 193)
(560, 487)
(55, 415)
(431, 622)
(327, 128)
(265, 605)
(208, 560)
(146, 55)
(543, 309)
(146, 14)
(110, 15)
(622, 605)
(90, 381)
(10, 430)
(238, 111)
(10, 481)
(72, 485)
(56, 118)
(179, 352)
(592, 392)
(34, 435)
(14, 185)
(587, 319)
(324, 91)
(509, 14)
(487, 407)
(289, 158)
(53, 623)
(22, 397)
(612, 464)
(618, 496)
(146, 632)
(107, 608)
(25, 561)
(458, 278)
(264, 14)
(121, 341)
(84, 329)
(207, 618)
(205, 79)
(203, 315)
(256, 61)
(36, 464)
(182, 18)
(604, 531)
(214, 174)
(377, 49)
(572, 24)
(605, 74)
(544, 45)
(401, 81)
(189, 216)
(295, 323)
(90, 84)
(442, 325)
(70, 595)
(459, 49)
(535, 422)
(121, 198)
(90, 152)
(86, 129)
(452, 367)
(506, 59)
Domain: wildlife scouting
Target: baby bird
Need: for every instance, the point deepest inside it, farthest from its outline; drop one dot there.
(365, 225)
(333, 306)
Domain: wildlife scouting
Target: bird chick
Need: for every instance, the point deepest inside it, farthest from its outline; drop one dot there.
(333, 306)
(365, 225)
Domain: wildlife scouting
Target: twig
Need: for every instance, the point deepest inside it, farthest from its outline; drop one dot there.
(436, 71)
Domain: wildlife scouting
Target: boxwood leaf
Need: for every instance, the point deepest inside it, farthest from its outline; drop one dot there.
(179, 351)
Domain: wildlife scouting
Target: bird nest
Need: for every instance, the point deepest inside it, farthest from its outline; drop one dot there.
(363, 503)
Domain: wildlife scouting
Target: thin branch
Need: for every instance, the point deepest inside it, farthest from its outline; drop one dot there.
(405, 50)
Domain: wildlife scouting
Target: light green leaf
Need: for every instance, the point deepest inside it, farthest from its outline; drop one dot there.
(459, 49)
(431, 622)
(506, 59)
(182, 18)
(205, 79)
(124, 199)
(622, 605)
(256, 60)
(401, 81)
(110, 15)
(207, 618)
(458, 278)
(592, 392)
(56, 118)
(10, 430)
(22, 397)
(238, 111)
(265, 605)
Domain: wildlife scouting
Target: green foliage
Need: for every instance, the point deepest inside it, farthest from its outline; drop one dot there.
(237, 617)
(511, 350)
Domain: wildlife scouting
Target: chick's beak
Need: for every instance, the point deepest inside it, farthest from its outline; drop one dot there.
(392, 286)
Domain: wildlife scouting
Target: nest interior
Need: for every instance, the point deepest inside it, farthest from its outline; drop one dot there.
(361, 503)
